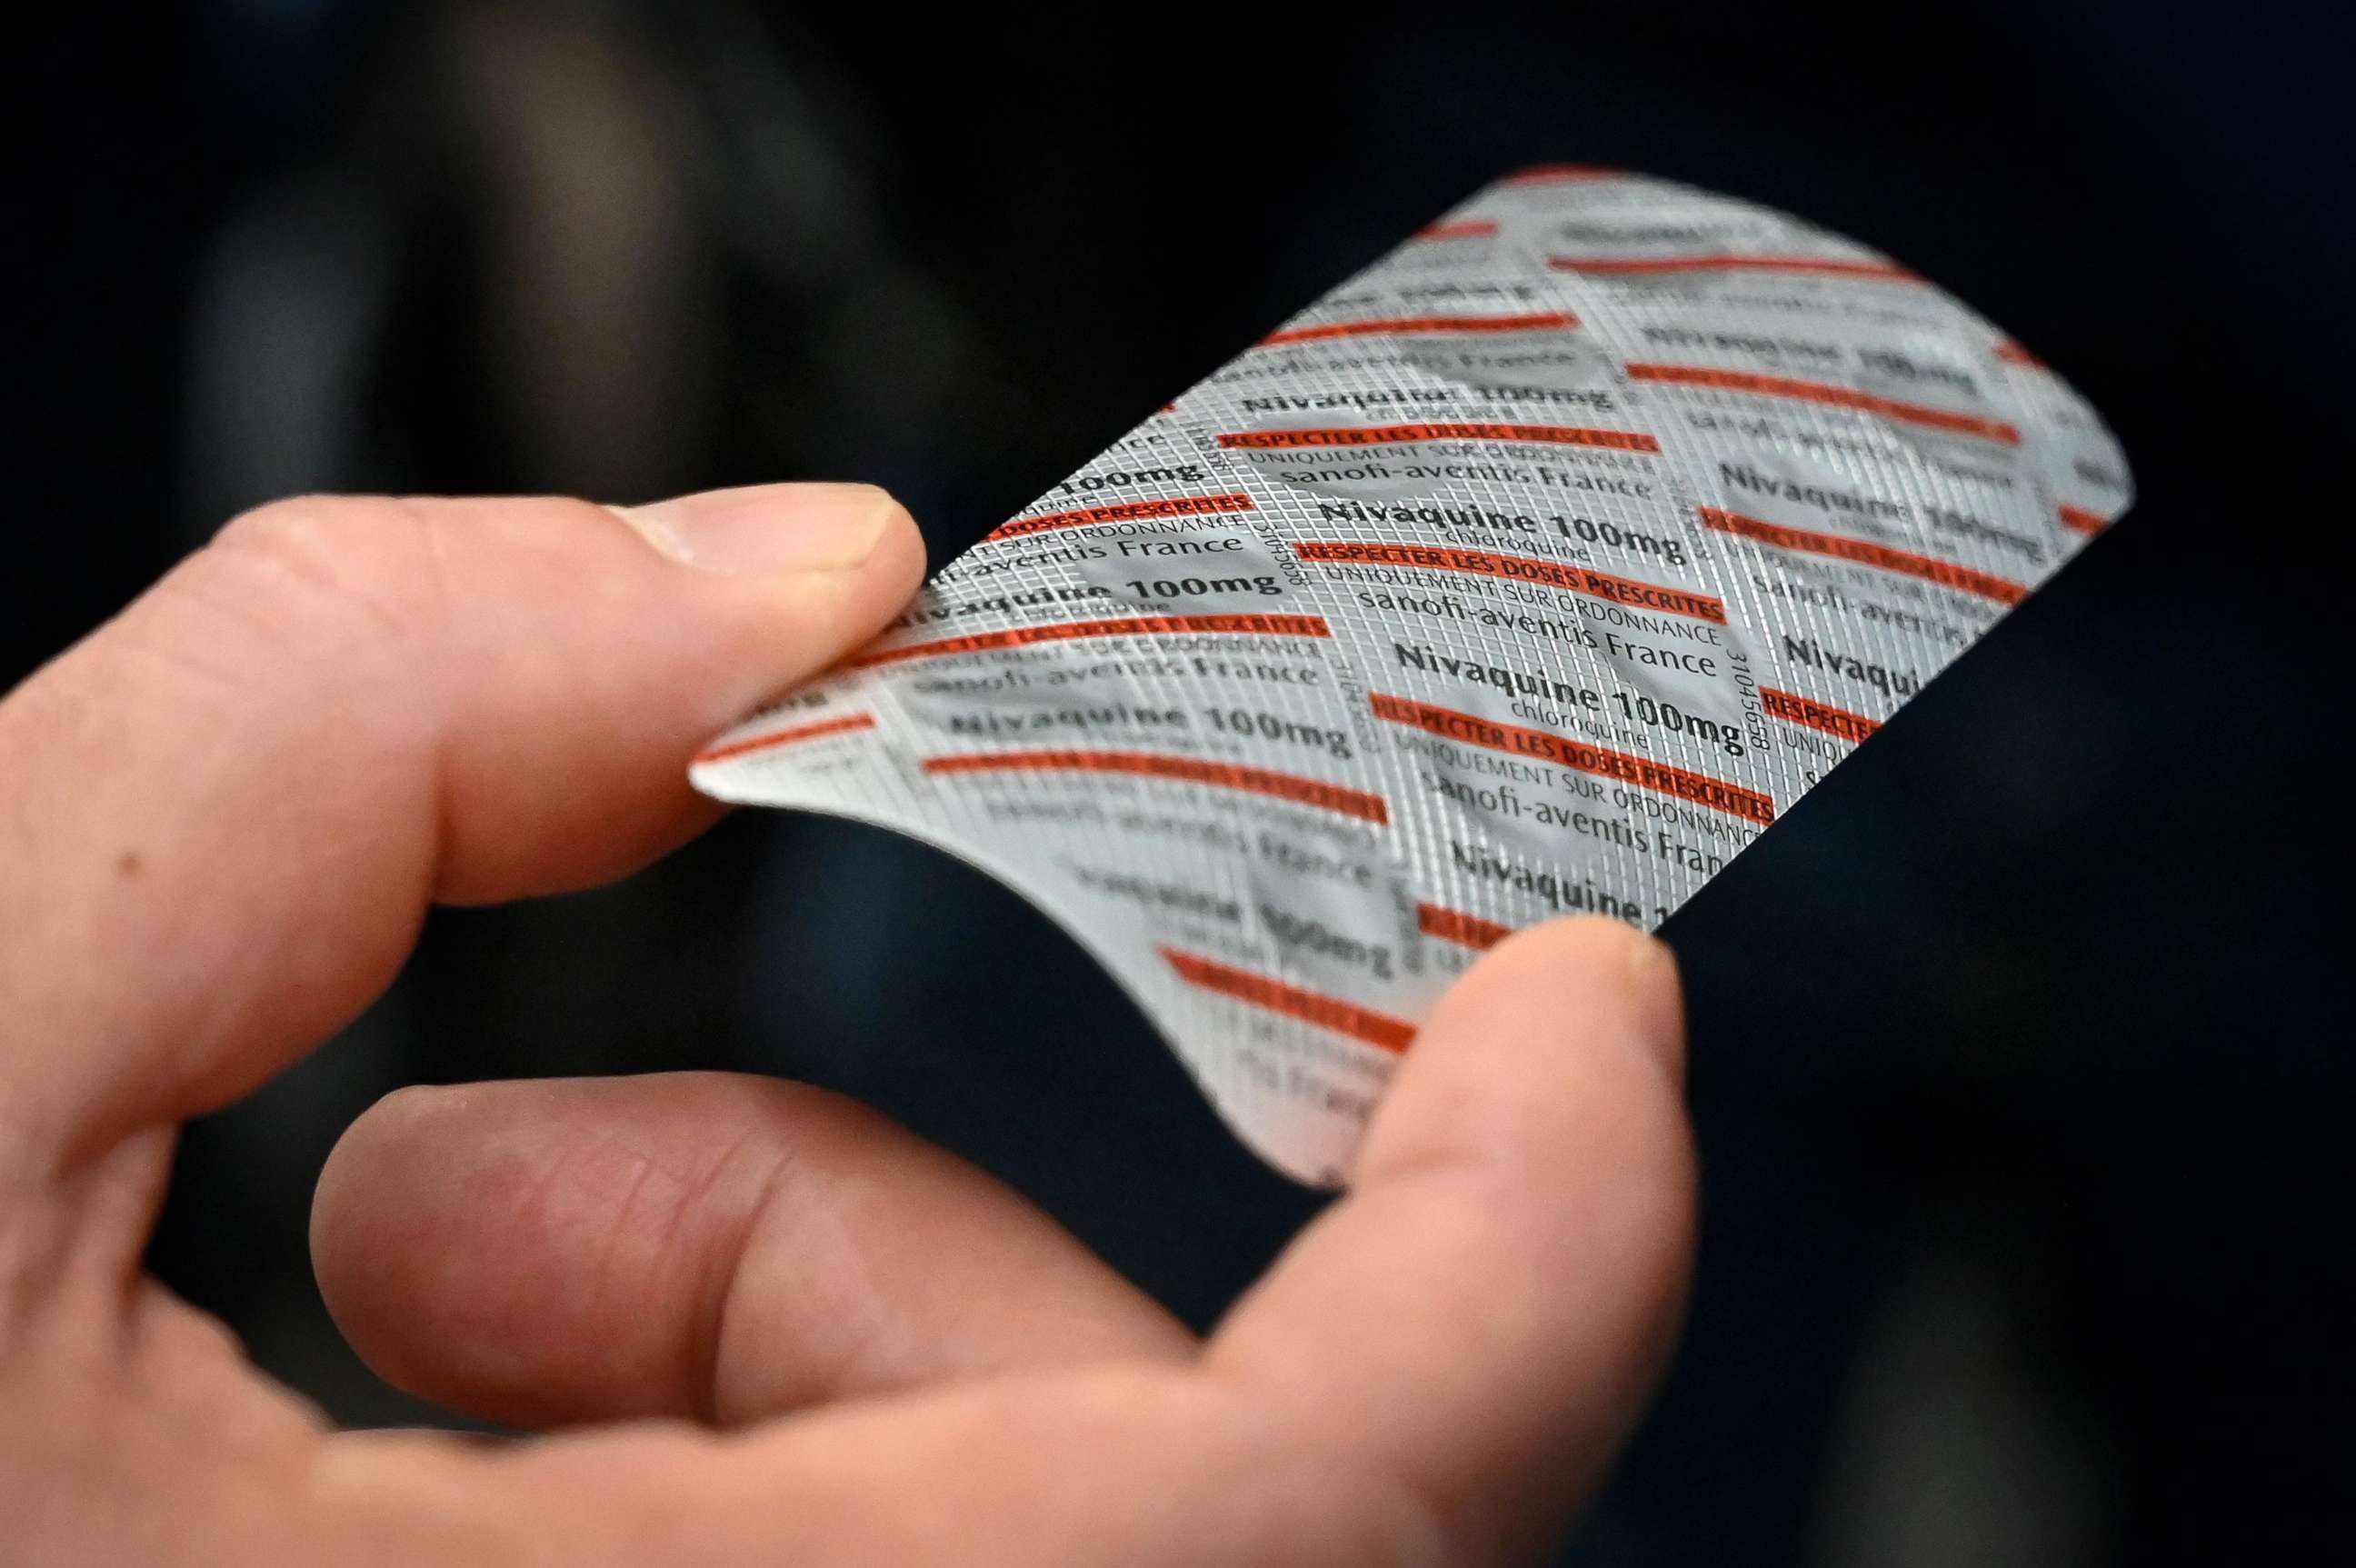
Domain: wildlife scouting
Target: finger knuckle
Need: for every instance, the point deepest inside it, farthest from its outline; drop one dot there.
(325, 559)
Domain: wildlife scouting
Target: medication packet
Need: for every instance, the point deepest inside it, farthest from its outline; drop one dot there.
(1535, 570)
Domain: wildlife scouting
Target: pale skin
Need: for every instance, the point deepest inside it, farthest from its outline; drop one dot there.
(755, 1322)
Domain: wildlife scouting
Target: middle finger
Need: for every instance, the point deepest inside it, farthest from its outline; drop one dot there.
(692, 1245)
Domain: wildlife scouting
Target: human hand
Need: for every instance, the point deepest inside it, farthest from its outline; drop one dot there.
(774, 1327)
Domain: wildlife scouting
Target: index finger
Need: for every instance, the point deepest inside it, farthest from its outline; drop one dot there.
(1479, 1320)
(223, 816)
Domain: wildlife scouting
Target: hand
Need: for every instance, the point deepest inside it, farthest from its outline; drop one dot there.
(777, 1328)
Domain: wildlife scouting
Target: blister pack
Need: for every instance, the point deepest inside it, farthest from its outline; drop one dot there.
(1535, 570)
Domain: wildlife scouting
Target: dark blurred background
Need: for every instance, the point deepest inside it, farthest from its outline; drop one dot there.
(2022, 1064)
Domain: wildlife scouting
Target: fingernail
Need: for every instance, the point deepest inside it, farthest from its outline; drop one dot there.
(759, 531)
